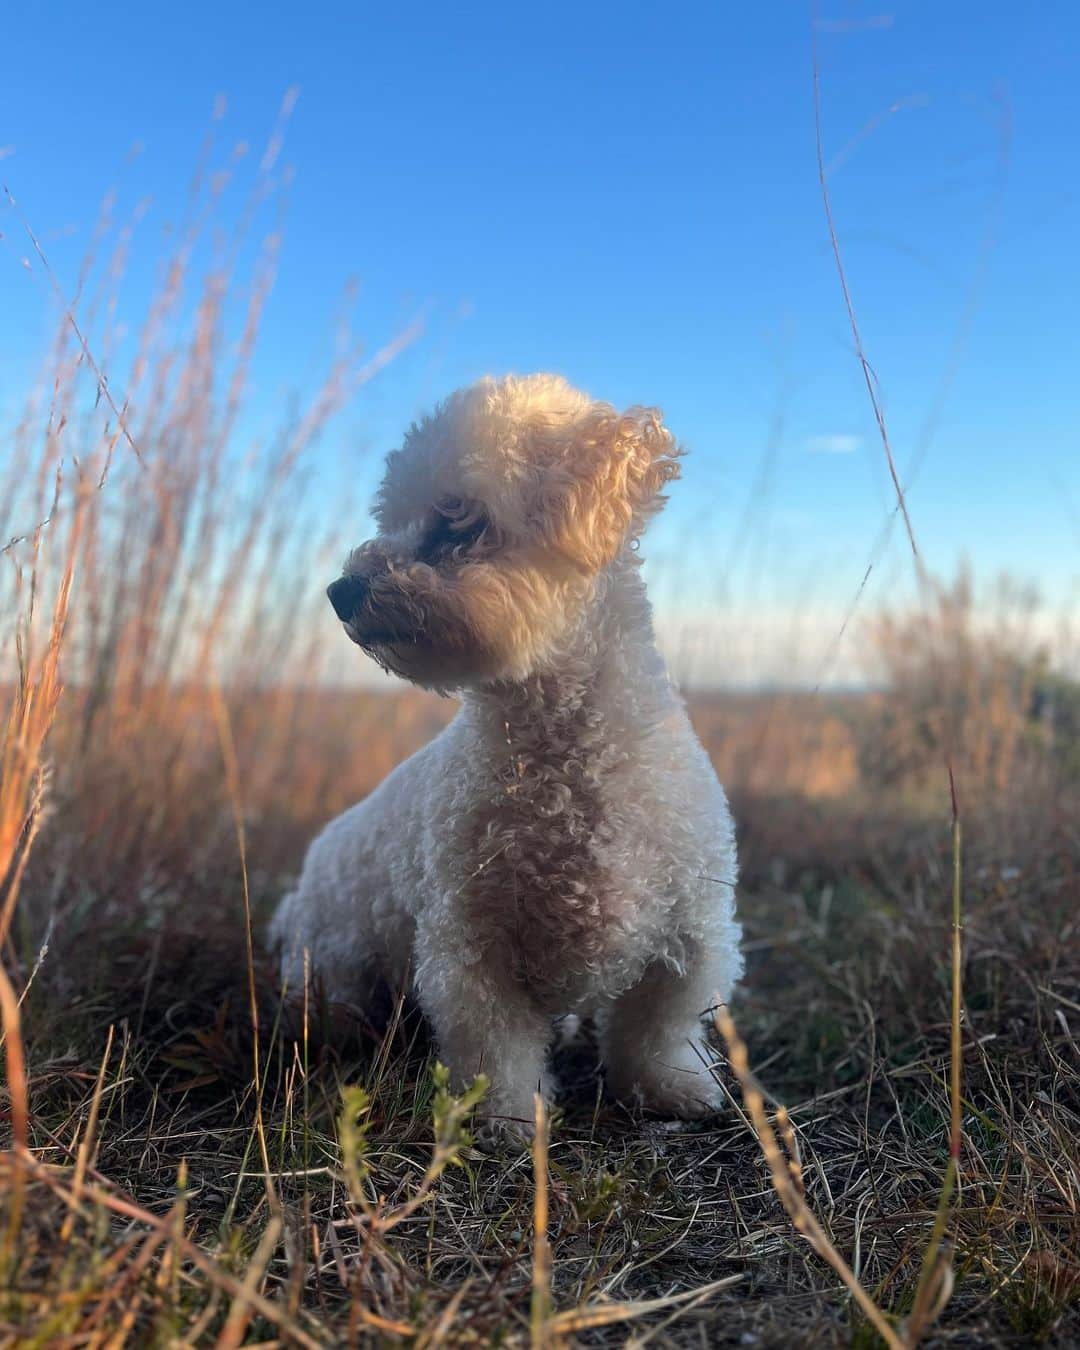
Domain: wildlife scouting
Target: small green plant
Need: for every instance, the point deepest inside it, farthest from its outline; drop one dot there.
(449, 1116)
(352, 1131)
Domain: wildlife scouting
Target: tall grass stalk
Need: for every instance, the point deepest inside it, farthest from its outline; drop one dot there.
(935, 1284)
(232, 781)
(31, 714)
(936, 1277)
(540, 1337)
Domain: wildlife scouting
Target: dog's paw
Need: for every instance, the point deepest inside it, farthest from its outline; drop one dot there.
(690, 1100)
(501, 1135)
(675, 1084)
(508, 1121)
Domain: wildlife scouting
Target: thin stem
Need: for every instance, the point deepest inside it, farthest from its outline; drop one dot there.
(540, 1313)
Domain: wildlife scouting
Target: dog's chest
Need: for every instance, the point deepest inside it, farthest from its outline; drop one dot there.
(544, 894)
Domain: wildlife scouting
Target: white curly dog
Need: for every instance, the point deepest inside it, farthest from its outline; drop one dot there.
(564, 845)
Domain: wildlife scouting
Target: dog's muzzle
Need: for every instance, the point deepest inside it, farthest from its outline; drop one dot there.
(347, 595)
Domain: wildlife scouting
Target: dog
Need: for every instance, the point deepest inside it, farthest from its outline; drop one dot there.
(564, 844)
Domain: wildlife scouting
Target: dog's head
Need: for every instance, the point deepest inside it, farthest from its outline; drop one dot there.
(496, 516)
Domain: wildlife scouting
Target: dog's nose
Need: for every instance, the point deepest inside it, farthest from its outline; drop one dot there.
(346, 595)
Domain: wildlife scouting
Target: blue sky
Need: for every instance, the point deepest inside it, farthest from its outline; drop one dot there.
(629, 194)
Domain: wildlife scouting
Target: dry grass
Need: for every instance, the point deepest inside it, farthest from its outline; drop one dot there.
(177, 1170)
(846, 1012)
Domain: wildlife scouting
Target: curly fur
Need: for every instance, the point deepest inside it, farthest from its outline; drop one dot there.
(564, 844)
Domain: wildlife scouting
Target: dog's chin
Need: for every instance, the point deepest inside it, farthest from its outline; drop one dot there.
(394, 653)
(407, 656)
(444, 669)
(372, 639)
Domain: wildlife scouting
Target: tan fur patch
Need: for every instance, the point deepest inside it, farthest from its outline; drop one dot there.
(539, 900)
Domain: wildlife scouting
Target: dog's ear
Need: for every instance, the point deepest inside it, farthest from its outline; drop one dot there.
(609, 484)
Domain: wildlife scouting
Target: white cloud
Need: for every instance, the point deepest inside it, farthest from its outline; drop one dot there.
(839, 443)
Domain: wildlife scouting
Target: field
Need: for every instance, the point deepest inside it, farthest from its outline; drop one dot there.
(178, 1170)
(148, 1210)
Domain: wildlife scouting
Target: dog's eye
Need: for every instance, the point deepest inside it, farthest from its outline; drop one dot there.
(454, 529)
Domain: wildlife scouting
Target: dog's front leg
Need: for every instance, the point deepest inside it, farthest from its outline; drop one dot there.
(485, 1023)
(652, 1039)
